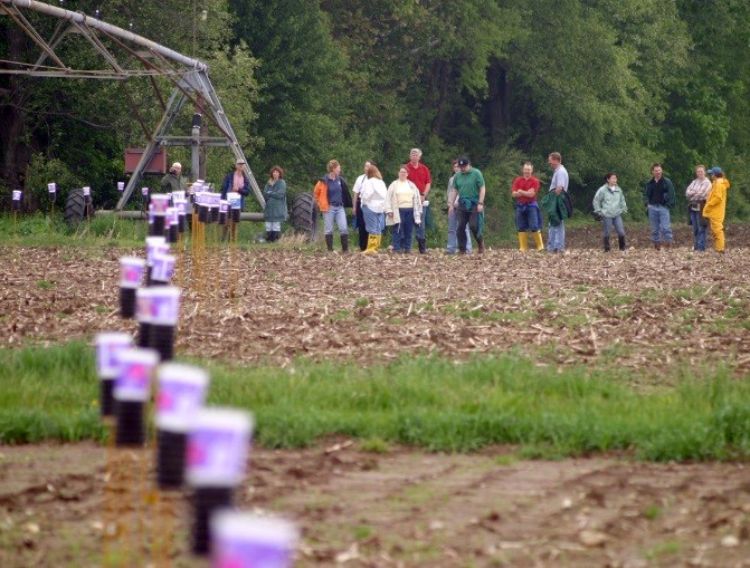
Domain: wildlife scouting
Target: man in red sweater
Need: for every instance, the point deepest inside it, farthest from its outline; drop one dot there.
(419, 175)
(528, 219)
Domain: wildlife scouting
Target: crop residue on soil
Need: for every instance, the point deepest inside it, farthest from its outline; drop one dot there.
(643, 309)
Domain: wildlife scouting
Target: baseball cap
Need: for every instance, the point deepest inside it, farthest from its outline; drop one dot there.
(463, 161)
(715, 170)
(240, 162)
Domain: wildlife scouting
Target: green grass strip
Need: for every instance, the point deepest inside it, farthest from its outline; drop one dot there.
(426, 402)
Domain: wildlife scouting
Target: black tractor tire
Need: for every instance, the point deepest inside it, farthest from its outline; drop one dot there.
(76, 208)
(305, 215)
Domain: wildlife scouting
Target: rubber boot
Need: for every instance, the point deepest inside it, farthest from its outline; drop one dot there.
(480, 246)
(329, 243)
(372, 245)
(276, 235)
(269, 236)
(606, 244)
(538, 241)
(344, 243)
(523, 241)
(621, 242)
(657, 246)
(422, 243)
(667, 246)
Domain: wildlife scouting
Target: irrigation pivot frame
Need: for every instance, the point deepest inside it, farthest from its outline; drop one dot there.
(189, 78)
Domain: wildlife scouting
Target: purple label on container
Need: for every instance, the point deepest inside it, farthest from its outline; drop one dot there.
(131, 275)
(144, 191)
(143, 308)
(164, 309)
(155, 249)
(178, 400)
(246, 553)
(217, 455)
(52, 187)
(86, 191)
(17, 195)
(106, 357)
(120, 186)
(223, 206)
(133, 379)
(163, 267)
(235, 200)
(160, 203)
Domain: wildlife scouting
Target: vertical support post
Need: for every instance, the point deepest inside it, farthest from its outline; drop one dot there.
(195, 148)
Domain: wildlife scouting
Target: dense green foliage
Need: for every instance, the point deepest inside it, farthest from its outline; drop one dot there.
(612, 84)
(51, 393)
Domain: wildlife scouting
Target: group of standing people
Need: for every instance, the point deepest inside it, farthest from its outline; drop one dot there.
(403, 206)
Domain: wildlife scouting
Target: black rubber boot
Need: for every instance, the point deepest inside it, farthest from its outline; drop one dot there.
(621, 242)
(329, 242)
(269, 236)
(276, 235)
(344, 243)
(606, 244)
(422, 246)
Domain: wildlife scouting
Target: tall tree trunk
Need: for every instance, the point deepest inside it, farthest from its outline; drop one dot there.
(438, 96)
(11, 114)
(497, 102)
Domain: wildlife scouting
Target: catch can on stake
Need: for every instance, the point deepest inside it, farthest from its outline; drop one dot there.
(172, 223)
(154, 245)
(235, 203)
(16, 204)
(223, 210)
(131, 276)
(164, 303)
(218, 447)
(162, 269)
(245, 540)
(143, 315)
(132, 392)
(160, 203)
(182, 391)
(108, 346)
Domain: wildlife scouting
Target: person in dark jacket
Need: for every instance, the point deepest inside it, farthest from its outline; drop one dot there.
(332, 195)
(659, 198)
(275, 212)
(236, 181)
(173, 180)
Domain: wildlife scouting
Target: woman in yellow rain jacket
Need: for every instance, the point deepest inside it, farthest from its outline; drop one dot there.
(716, 206)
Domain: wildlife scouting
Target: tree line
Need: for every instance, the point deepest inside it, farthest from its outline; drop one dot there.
(614, 85)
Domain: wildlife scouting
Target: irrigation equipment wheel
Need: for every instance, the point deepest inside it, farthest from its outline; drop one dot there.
(76, 208)
(305, 216)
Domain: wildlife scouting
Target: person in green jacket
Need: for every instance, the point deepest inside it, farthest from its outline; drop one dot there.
(609, 206)
(276, 211)
(173, 180)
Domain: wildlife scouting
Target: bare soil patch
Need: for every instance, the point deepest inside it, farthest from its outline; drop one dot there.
(402, 508)
(644, 309)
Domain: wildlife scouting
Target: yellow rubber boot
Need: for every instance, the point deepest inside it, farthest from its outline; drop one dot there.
(538, 240)
(523, 241)
(378, 241)
(372, 244)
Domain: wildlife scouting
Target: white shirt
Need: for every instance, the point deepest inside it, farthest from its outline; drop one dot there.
(358, 184)
(373, 194)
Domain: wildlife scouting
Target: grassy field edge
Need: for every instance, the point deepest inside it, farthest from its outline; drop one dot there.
(428, 402)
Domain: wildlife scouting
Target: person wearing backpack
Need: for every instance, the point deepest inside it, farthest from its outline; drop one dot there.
(559, 187)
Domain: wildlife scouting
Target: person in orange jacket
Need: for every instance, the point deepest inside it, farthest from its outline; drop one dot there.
(332, 196)
(716, 206)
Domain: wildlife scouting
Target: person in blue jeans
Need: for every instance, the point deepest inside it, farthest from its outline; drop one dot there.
(452, 245)
(697, 194)
(659, 197)
(558, 184)
(403, 211)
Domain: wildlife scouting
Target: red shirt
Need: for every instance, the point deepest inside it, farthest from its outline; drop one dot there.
(419, 175)
(525, 184)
